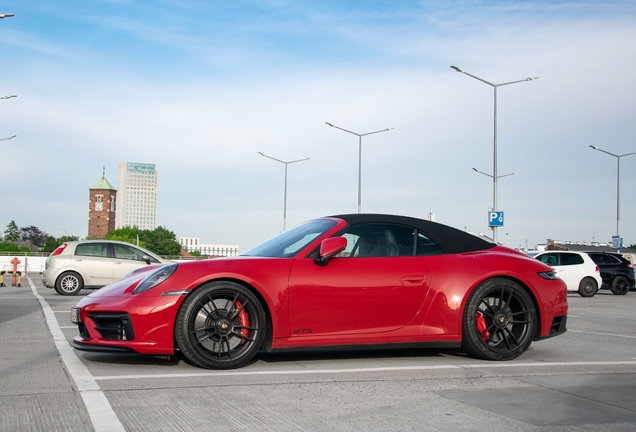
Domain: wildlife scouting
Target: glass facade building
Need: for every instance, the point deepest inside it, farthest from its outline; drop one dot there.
(137, 195)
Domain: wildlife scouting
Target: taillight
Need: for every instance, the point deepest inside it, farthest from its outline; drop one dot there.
(630, 266)
(59, 249)
(598, 270)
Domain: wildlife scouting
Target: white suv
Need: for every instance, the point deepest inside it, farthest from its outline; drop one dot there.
(576, 269)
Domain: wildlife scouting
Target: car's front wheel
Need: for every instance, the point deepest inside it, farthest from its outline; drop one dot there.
(69, 283)
(499, 321)
(588, 287)
(620, 285)
(221, 325)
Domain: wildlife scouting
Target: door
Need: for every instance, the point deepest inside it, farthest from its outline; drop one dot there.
(375, 285)
(92, 261)
(127, 258)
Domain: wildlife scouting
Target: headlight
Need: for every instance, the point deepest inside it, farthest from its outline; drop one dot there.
(549, 275)
(155, 278)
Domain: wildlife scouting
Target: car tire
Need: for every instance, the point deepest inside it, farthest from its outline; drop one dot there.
(588, 287)
(69, 283)
(220, 325)
(620, 285)
(499, 321)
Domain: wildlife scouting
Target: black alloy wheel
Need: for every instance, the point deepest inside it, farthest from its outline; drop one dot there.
(499, 321)
(221, 325)
(588, 287)
(69, 283)
(620, 285)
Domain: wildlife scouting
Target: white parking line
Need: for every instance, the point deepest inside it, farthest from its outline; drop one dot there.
(99, 409)
(603, 334)
(364, 370)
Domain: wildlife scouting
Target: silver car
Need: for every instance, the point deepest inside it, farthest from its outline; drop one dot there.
(93, 264)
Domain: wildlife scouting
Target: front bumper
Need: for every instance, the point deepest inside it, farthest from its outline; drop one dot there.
(127, 323)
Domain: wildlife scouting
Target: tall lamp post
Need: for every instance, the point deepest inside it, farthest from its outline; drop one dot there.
(494, 176)
(359, 157)
(618, 186)
(285, 201)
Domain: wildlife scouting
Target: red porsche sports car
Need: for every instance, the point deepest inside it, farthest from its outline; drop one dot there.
(347, 281)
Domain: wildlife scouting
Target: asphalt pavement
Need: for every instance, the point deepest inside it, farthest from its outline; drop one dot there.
(584, 380)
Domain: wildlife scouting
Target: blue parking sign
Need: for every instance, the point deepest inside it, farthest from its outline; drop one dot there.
(495, 219)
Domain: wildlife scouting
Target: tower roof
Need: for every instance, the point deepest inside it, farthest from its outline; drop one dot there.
(103, 184)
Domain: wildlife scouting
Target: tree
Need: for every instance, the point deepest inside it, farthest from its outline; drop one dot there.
(160, 240)
(52, 243)
(12, 233)
(34, 235)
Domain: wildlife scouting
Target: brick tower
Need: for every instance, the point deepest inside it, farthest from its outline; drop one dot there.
(101, 208)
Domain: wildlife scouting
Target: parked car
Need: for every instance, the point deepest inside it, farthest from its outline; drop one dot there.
(579, 272)
(617, 272)
(93, 264)
(365, 281)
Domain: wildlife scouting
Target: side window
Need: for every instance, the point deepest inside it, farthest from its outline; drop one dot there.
(426, 246)
(127, 253)
(571, 259)
(550, 259)
(92, 249)
(379, 240)
(599, 258)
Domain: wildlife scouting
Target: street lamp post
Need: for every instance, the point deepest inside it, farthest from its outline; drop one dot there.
(494, 176)
(285, 200)
(618, 186)
(359, 157)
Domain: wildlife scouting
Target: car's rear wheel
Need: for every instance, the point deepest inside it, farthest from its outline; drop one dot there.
(499, 321)
(620, 285)
(221, 325)
(69, 283)
(588, 287)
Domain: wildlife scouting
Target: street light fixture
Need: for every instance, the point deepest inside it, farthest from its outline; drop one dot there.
(285, 201)
(494, 176)
(359, 157)
(486, 174)
(8, 97)
(2, 16)
(8, 138)
(618, 186)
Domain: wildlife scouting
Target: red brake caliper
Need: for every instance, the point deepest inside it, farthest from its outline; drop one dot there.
(244, 320)
(481, 326)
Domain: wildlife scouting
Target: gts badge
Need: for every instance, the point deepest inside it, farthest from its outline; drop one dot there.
(302, 331)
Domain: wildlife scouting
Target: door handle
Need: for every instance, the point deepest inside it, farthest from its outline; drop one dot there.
(413, 279)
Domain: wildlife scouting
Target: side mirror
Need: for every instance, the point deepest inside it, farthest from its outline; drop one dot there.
(146, 258)
(329, 248)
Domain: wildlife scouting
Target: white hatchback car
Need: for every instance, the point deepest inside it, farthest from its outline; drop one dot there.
(93, 264)
(576, 269)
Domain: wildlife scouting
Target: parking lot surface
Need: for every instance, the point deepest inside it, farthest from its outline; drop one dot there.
(583, 380)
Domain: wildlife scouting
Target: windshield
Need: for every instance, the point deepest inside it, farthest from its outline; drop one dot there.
(288, 243)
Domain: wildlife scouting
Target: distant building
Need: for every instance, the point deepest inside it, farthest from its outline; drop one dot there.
(137, 198)
(191, 244)
(628, 253)
(101, 208)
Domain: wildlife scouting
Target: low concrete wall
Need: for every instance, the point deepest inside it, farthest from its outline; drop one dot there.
(27, 265)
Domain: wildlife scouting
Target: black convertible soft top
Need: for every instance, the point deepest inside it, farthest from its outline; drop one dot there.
(454, 240)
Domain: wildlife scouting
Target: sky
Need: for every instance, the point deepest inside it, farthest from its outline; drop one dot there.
(199, 88)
